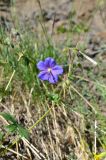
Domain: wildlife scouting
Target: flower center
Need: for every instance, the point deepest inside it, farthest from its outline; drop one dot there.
(49, 70)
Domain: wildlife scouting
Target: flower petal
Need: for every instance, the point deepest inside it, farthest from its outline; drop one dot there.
(50, 62)
(56, 70)
(53, 79)
(41, 65)
(43, 75)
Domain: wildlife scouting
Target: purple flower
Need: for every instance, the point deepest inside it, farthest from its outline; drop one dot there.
(49, 70)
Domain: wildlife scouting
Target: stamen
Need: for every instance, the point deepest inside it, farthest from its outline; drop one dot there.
(49, 69)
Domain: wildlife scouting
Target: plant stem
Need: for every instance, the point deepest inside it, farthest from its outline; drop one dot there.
(39, 120)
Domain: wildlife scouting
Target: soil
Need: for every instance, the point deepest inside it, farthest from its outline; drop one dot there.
(57, 12)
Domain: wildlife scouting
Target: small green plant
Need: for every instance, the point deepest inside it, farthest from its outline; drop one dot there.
(61, 111)
(14, 127)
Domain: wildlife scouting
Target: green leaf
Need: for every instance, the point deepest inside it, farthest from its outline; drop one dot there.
(99, 156)
(8, 117)
(11, 128)
(1, 136)
(23, 132)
